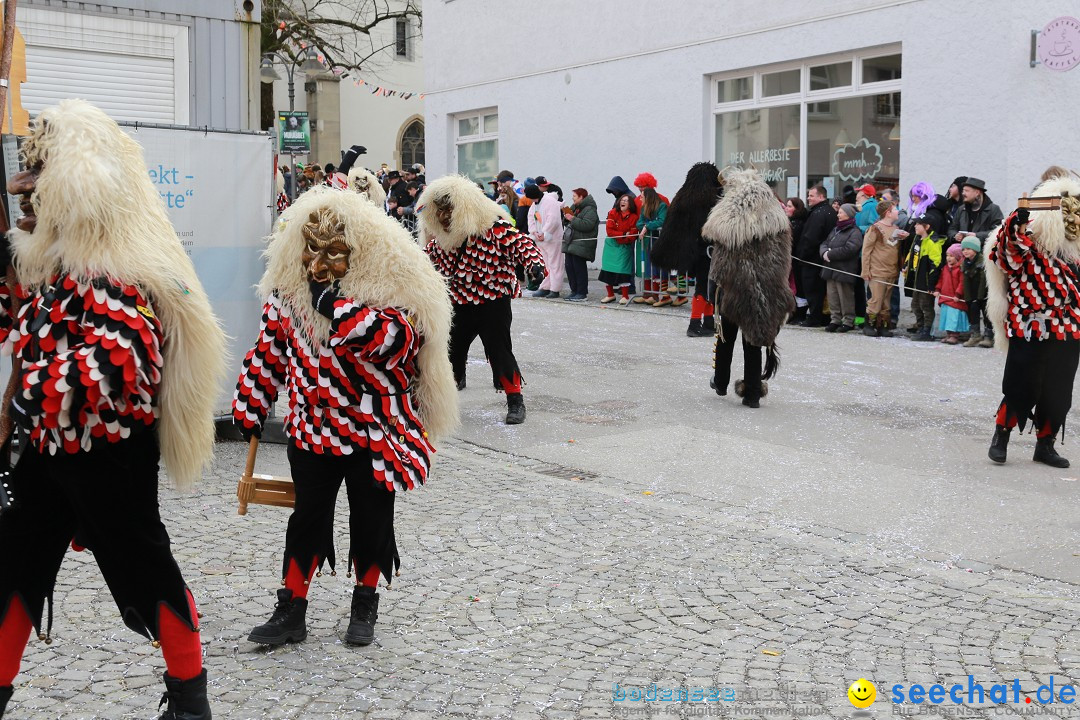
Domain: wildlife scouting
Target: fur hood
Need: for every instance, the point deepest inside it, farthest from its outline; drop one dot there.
(386, 269)
(363, 182)
(98, 213)
(751, 262)
(680, 243)
(474, 213)
(1048, 230)
(747, 213)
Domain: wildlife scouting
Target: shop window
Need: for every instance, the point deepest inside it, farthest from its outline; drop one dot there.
(855, 147)
(770, 143)
(826, 77)
(881, 69)
(785, 82)
(477, 145)
(735, 89)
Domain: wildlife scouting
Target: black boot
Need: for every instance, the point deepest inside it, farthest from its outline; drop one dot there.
(697, 328)
(186, 699)
(1046, 454)
(461, 383)
(5, 695)
(708, 324)
(721, 391)
(365, 611)
(515, 409)
(287, 624)
(999, 446)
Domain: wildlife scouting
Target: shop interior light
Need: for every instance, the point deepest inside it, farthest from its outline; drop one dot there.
(842, 138)
(894, 134)
(792, 142)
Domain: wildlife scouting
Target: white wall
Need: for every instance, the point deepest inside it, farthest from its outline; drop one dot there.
(593, 93)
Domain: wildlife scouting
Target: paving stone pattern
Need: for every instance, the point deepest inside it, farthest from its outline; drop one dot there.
(529, 589)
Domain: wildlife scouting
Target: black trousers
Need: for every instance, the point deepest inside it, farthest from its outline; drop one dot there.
(491, 321)
(725, 349)
(813, 290)
(310, 537)
(108, 499)
(577, 274)
(1038, 377)
(701, 276)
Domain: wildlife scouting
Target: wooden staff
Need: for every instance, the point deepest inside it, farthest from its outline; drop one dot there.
(5, 57)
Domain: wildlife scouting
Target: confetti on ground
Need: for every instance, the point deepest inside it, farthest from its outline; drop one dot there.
(646, 492)
(774, 653)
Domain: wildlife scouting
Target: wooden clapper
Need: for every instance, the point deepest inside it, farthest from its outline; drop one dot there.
(262, 489)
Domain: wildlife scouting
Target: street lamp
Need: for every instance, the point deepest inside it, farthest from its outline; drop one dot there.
(309, 62)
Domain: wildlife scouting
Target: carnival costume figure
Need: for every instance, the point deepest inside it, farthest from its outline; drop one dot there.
(475, 247)
(354, 330)
(681, 246)
(117, 345)
(751, 263)
(1033, 287)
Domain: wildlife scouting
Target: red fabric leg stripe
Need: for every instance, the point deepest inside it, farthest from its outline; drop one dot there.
(180, 646)
(296, 581)
(14, 633)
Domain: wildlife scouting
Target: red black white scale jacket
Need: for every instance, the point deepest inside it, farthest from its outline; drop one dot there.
(482, 269)
(349, 395)
(91, 362)
(1044, 291)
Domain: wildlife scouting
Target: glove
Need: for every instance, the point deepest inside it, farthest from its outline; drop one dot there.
(349, 159)
(247, 432)
(536, 273)
(323, 296)
(1020, 217)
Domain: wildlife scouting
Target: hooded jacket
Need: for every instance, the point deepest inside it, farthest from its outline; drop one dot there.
(843, 246)
(377, 374)
(751, 260)
(680, 245)
(584, 227)
(618, 187)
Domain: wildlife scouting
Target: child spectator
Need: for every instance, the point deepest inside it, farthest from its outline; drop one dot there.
(924, 265)
(950, 293)
(617, 262)
(975, 294)
(881, 268)
(651, 217)
(840, 253)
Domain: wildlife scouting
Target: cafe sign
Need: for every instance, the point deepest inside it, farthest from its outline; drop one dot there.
(1059, 44)
(858, 161)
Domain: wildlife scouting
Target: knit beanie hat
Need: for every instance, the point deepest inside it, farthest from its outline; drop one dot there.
(955, 250)
(883, 208)
(849, 210)
(970, 243)
(533, 192)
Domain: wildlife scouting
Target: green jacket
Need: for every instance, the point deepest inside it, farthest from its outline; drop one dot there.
(583, 229)
(974, 280)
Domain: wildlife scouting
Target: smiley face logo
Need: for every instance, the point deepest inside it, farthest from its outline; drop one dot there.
(862, 693)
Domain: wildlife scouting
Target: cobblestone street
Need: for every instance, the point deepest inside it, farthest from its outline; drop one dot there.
(634, 533)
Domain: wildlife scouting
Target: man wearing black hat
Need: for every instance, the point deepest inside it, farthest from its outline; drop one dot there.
(977, 216)
(397, 194)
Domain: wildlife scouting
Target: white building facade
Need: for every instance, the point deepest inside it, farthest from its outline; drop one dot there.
(839, 92)
(343, 113)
